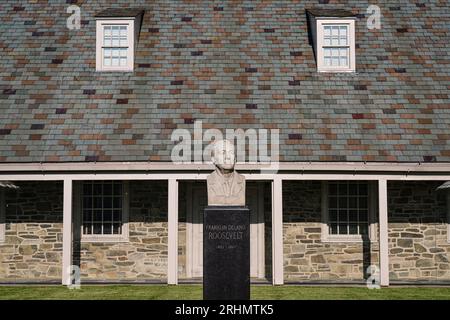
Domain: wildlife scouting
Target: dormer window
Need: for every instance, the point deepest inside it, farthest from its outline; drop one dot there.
(117, 32)
(333, 33)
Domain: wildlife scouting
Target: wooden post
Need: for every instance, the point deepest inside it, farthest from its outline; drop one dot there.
(172, 258)
(277, 232)
(383, 223)
(67, 232)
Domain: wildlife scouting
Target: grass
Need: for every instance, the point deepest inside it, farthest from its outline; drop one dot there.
(194, 292)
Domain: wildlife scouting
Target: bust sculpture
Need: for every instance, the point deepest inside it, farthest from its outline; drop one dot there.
(226, 187)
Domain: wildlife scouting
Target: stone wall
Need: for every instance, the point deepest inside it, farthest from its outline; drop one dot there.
(32, 251)
(33, 243)
(182, 220)
(418, 247)
(144, 256)
(306, 257)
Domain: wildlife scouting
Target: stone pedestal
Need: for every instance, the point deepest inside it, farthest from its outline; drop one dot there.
(226, 253)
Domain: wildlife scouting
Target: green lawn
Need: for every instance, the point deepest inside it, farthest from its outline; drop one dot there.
(192, 292)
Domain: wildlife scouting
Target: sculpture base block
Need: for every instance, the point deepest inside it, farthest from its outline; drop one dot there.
(226, 253)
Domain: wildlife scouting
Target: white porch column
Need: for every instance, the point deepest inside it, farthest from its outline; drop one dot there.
(383, 223)
(172, 255)
(277, 232)
(67, 232)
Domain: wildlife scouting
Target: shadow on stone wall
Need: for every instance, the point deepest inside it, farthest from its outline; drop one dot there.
(306, 256)
(418, 245)
(32, 249)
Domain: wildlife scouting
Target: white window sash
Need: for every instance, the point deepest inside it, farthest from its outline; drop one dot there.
(113, 238)
(372, 226)
(321, 67)
(2, 215)
(100, 44)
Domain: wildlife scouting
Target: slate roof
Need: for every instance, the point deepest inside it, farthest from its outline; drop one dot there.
(231, 64)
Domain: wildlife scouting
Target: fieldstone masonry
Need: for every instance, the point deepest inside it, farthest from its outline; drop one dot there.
(144, 256)
(33, 244)
(418, 240)
(306, 257)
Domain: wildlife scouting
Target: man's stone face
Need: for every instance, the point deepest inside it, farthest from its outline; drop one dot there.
(224, 156)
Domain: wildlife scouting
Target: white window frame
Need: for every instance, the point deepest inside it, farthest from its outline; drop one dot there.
(352, 238)
(2, 215)
(107, 238)
(320, 23)
(100, 37)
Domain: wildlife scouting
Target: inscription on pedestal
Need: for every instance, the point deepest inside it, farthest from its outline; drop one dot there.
(226, 253)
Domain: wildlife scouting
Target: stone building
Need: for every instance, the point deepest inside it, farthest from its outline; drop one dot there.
(356, 118)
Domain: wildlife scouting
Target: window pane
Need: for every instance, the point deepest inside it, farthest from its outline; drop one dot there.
(87, 189)
(87, 202)
(353, 228)
(333, 215)
(97, 228)
(107, 215)
(98, 216)
(87, 215)
(343, 53)
(107, 202)
(363, 202)
(332, 188)
(107, 189)
(334, 41)
(353, 202)
(363, 215)
(342, 189)
(353, 216)
(115, 31)
(107, 36)
(327, 31)
(332, 203)
(98, 203)
(107, 57)
(117, 202)
(107, 228)
(363, 188)
(117, 216)
(107, 31)
(343, 35)
(343, 202)
(342, 216)
(98, 189)
(335, 31)
(343, 228)
(117, 188)
(352, 189)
